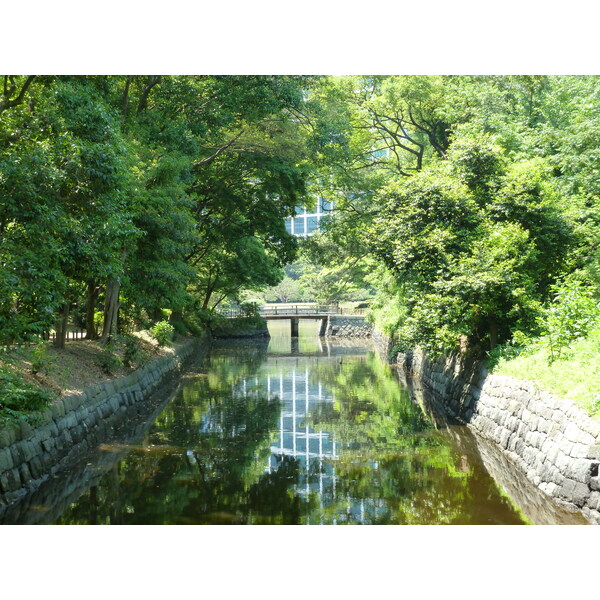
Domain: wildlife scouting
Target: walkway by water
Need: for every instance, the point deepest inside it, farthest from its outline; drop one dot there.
(284, 432)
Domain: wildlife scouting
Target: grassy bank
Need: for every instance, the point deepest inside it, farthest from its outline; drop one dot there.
(574, 375)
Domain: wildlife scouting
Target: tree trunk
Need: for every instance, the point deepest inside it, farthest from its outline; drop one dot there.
(111, 309)
(92, 297)
(61, 326)
(209, 292)
(206, 301)
(493, 333)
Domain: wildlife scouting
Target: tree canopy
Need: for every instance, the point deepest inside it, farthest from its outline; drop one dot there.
(143, 193)
(474, 193)
(461, 202)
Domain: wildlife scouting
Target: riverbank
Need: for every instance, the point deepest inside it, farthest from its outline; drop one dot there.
(555, 444)
(572, 374)
(52, 372)
(31, 451)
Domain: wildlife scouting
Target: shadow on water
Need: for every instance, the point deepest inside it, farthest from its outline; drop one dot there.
(270, 432)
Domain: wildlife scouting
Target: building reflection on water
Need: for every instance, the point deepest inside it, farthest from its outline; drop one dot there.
(292, 381)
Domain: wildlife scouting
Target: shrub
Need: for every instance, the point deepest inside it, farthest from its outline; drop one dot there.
(519, 344)
(39, 358)
(133, 352)
(571, 316)
(180, 327)
(193, 327)
(109, 361)
(162, 332)
(249, 309)
(18, 395)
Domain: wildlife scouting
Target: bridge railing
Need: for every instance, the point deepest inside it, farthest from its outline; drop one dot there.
(299, 309)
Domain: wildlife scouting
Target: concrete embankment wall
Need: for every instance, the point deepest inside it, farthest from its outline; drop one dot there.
(240, 327)
(553, 442)
(348, 326)
(73, 423)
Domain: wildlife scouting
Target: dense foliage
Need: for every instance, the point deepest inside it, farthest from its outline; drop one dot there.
(133, 195)
(463, 204)
(477, 198)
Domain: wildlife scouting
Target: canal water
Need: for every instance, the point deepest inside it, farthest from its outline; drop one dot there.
(289, 431)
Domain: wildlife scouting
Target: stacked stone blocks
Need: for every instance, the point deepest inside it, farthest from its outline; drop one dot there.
(347, 326)
(30, 455)
(552, 441)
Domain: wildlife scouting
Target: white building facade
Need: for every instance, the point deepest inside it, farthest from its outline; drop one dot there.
(306, 222)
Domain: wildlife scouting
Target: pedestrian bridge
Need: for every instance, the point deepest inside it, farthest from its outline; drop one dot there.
(308, 311)
(316, 312)
(295, 312)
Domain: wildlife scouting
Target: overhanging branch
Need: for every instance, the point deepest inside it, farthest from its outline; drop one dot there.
(7, 102)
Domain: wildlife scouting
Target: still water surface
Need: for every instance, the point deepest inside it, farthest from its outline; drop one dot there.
(296, 431)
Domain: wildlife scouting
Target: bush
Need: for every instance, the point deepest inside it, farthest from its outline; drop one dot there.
(180, 327)
(200, 320)
(162, 332)
(109, 361)
(570, 317)
(249, 309)
(133, 352)
(193, 327)
(18, 395)
(39, 358)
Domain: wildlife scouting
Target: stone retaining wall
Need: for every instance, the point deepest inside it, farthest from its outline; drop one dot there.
(30, 455)
(383, 344)
(348, 326)
(552, 441)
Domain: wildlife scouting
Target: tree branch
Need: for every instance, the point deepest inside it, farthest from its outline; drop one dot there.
(125, 101)
(8, 92)
(219, 151)
(151, 82)
(441, 151)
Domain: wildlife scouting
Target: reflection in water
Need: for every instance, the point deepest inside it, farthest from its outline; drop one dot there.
(324, 435)
(308, 342)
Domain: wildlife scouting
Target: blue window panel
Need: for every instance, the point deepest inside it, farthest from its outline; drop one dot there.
(312, 224)
(314, 445)
(325, 205)
(299, 225)
(288, 225)
(300, 210)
